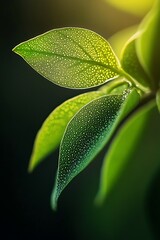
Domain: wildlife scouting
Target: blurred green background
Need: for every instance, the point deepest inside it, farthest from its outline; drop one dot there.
(132, 210)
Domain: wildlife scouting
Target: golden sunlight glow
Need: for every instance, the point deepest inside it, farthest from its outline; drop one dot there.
(133, 6)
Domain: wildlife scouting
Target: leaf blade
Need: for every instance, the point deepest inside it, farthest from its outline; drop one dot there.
(51, 132)
(147, 44)
(86, 134)
(130, 62)
(71, 57)
(117, 156)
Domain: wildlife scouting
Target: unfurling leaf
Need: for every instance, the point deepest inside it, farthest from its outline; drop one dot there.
(131, 64)
(121, 149)
(87, 133)
(51, 132)
(71, 57)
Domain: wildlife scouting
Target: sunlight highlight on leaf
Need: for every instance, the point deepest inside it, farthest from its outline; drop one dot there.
(71, 57)
(87, 133)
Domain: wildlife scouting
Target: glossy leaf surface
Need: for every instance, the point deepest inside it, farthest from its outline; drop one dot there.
(87, 133)
(121, 149)
(71, 57)
(51, 132)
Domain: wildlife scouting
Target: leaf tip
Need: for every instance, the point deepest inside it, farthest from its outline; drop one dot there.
(54, 199)
(16, 49)
(32, 164)
(30, 167)
(98, 201)
(20, 49)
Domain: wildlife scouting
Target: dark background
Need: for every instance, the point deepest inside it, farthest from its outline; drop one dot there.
(132, 211)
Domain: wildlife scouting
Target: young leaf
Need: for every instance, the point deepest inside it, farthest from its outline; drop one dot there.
(121, 148)
(158, 99)
(87, 133)
(131, 64)
(71, 57)
(147, 44)
(51, 132)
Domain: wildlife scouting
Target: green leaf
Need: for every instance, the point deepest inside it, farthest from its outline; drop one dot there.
(71, 57)
(51, 132)
(147, 44)
(121, 148)
(87, 133)
(130, 62)
(158, 99)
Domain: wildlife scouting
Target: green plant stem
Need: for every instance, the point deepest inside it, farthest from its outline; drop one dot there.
(114, 84)
(133, 82)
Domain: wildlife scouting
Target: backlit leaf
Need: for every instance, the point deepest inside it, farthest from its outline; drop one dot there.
(131, 64)
(71, 57)
(50, 134)
(87, 133)
(147, 44)
(121, 148)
